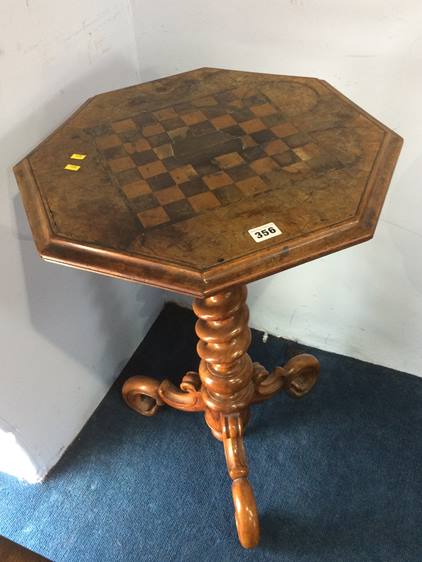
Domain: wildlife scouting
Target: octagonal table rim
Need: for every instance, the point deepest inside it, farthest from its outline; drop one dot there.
(176, 276)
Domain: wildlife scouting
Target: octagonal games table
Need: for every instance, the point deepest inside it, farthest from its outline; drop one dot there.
(200, 183)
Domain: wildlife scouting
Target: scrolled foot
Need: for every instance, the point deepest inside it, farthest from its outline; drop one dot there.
(302, 373)
(141, 394)
(297, 377)
(245, 513)
(145, 395)
(187, 397)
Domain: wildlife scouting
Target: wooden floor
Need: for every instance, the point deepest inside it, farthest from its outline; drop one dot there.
(12, 552)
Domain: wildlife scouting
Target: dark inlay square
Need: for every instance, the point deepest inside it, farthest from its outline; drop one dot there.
(144, 119)
(242, 114)
(228, 194)
(143, 203)
(158, 140)
(240, 173)
(114, 152)
(128, 176)
(193, 187)
(205, 166)
(182, 107)
(263, 136)
(171, 163)
(129, 136)
(298, 139)
(161, 181)
(286, 158)
(215, 111)
(273, 120)
(144, 157)
(179, 210)
(202, 128)
(253, 153)
(234, 130)
(174, 123)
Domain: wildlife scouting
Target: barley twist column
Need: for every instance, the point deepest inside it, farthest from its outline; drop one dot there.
(226, 373)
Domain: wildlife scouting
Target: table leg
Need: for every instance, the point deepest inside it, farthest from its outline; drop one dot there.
(245, 510)
(227, 383)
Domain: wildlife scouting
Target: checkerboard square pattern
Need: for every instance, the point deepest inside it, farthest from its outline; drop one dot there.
(161, 189)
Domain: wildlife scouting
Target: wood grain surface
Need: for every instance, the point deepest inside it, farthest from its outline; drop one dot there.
(177, 171)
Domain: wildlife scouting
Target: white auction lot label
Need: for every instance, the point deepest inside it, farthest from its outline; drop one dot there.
(264, 232)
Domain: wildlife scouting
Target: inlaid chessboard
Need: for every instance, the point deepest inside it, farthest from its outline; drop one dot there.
(162, 186)
(206, 179)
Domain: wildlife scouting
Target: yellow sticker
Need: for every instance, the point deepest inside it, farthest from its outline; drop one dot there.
(78, 156)
(72, 167)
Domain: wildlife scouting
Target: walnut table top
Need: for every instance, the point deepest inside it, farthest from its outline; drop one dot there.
(207, 179)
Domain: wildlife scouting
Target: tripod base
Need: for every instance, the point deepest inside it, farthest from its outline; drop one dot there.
(224, 388)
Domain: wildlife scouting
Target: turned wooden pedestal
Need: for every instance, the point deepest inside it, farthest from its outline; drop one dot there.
(227, 384)
(201, 183)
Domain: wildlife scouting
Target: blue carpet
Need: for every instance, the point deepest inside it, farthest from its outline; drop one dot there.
(337, 475)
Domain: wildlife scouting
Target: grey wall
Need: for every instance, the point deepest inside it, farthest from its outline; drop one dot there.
(64, 334)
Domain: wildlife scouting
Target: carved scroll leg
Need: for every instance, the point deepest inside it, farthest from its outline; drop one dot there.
(297, 377)
(246, 514)
(145, 395)
(141, 394)
(302, 373)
